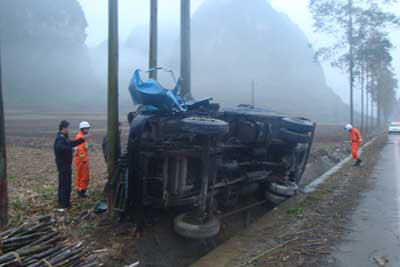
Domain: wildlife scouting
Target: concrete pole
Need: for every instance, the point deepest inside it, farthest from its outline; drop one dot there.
(153, 51)
(113, 119)
(185, 50)
(3, 165)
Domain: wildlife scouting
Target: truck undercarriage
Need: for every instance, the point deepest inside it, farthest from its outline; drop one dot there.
(203, 159)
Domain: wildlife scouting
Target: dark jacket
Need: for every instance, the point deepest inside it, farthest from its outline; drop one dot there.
(63, 149)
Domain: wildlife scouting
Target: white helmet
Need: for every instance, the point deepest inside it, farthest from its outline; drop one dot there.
(84, 124)
(349, 127)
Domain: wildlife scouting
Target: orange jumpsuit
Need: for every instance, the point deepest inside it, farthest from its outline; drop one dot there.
(356, 141)
(82, 164)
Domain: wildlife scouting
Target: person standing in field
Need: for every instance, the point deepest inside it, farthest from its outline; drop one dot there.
(82, 161)
(63, 150)
(356, 141)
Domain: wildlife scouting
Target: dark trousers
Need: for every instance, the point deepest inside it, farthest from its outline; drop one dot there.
(64, 186)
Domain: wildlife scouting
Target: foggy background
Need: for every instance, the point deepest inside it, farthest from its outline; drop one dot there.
(55, 54)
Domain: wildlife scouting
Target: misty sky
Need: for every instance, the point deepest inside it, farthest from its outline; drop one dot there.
(134, 13)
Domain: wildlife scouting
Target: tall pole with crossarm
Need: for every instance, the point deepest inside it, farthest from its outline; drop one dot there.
(3, 165)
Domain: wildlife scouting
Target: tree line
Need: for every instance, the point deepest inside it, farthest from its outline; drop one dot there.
(361, 47)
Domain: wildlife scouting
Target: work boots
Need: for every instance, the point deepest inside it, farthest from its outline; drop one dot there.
(357, 163)
(82, 193)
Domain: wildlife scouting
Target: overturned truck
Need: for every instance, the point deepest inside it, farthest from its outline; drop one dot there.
(194, 157)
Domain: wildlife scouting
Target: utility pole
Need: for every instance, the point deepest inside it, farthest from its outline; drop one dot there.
(113, 118)
(3, 164)
(186, 91)
(153, 38)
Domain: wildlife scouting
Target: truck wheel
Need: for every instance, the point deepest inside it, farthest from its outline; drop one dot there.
(190, 226)
(295, 137)
(274, 198)
(299, 125)
(204, 126)
(288, 190)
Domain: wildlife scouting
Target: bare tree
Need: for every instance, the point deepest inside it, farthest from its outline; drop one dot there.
(345, 20)
(3, 165)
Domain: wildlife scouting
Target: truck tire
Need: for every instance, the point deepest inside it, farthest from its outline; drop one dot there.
(185, 226)
(274, 198)
(204, 126)
(288, 190)
(295, 137)
(299, 125)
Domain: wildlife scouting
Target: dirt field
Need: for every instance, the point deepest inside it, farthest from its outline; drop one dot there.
(33, 180)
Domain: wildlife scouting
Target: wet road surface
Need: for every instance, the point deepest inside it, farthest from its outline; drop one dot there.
(375, 227)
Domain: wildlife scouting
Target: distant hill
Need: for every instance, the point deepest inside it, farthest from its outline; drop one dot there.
(235, 42)
(46, 65)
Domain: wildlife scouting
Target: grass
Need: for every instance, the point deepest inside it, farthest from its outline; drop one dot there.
(310, 200)
(20, 208)
(86, 228)
(19, 203)
(297, 211)
(46, 190)
(317, 196)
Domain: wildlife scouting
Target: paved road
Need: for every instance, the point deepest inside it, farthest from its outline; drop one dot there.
(375, 227)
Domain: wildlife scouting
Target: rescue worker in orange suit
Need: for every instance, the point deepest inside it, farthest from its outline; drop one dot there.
(356, 141)
(63, 150)
(82, 161)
